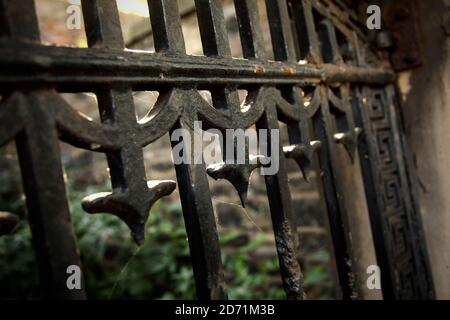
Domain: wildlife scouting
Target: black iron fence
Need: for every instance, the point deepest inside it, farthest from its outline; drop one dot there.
(325, 83)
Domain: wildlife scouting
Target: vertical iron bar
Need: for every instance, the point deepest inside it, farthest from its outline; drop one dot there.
(193, 185)
(166, 26)
(102, 22)
(308, 41)
(18, 20)
(281, 209)
(116, 106)
(277, 186)
(213, 29)
(215, 43)
(48, 211)
(306, 27)
(325, 125)
(200, 224)
(278, 192)
(41, 167)
(280, 30)
(103, 30)
(248, 17)
(101, 18)
(333, 198)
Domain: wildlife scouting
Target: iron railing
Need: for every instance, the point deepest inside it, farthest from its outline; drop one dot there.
(319, 52)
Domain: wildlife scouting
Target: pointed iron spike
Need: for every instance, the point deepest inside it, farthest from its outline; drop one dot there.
(340, 137)
(289, 149)
(215, 170)
(247, 171)
(305, 167)
(352, 155)
(240, 180)
(161, 187)
(305, 172)
(293, 151)
(349, 140)
(96, 202)
(242, 195)
(302, 156)
(117, 204)
(125, 207)
(237, 175)
(138, 234)
(316, 144)
(256, 159)
(350, 145)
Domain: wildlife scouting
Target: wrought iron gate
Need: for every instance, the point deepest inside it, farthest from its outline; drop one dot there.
(325, 84)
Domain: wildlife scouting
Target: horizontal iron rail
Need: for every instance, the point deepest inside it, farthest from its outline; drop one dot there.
(32, 64)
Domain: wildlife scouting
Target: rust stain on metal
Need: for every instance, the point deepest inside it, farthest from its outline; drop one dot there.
(293, 278)
(289, 70)
(400, 19)
(259, 69)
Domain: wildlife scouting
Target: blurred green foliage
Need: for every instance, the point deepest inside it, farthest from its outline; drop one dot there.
(115, 268)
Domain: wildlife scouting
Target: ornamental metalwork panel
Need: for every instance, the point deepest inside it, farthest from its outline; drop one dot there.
(325, 83)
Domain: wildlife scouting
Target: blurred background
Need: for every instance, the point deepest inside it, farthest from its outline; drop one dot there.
(114, 267)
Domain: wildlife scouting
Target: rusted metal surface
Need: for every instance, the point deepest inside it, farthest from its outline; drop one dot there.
(25, 64)
(313, 98)
(400, 22)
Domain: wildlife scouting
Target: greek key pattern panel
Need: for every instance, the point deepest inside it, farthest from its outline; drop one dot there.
(406, 265)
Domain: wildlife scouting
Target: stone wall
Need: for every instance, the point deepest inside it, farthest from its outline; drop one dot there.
(426, 112)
